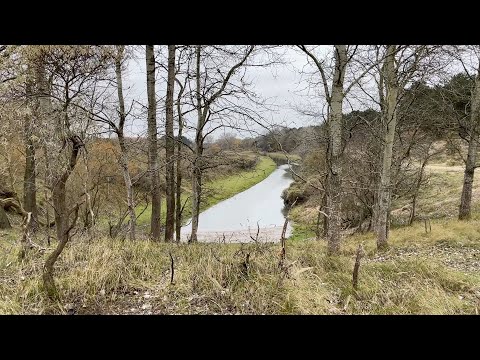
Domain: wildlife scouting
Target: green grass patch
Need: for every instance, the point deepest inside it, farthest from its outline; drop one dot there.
(280, 158)
(301, 232)
(218, 190)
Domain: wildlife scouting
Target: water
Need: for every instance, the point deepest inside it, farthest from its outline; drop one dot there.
(262, 204)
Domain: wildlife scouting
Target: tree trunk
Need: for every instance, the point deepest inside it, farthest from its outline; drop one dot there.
(466, 199)
(123, 148)
(170, 148)
(29, 180)
(128, 186)
(4, 222)
(390, 120)
(153, 165)
(196, 196)
(417, 189)
(62, 216)
(178, 190)
(197, 163)
(334, 179)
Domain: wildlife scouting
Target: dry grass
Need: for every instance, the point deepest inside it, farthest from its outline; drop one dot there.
(105, 276)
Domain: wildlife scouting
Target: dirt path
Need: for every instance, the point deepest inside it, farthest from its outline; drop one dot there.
(445, 168)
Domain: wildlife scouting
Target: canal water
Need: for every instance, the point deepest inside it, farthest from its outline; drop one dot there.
(236, 218)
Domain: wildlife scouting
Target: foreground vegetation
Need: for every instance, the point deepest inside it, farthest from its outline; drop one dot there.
(434, 272)
(422, 273)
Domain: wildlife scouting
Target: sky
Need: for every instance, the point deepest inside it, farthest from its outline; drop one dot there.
(285, 85)
(281, 85)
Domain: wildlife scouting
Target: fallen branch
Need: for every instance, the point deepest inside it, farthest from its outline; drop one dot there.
(27, 243)
(10, 204)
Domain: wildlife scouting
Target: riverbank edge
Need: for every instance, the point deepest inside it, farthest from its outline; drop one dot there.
(222, 189)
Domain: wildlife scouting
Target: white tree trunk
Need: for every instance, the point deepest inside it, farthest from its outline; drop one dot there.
(197, 163)
(466, 199)
(390, 122)
(335, 125)
(153, 164)
(123, 148)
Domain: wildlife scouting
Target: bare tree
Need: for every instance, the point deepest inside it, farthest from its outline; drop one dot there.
(153, 162)
(121, 140)
(390, 121)
(213, 90)
(335, 96)
(474, 128)
(29, 182)
(170, 147)
(178, 184)
(72, 73)
(401, 65)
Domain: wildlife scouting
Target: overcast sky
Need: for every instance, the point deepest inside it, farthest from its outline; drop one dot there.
(279, 84)
(284, 85)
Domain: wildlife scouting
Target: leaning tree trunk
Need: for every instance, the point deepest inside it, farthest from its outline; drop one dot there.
(334, 179)
(390, 121)
(62, 216)
(170, 148)
(123, 148)
(466, 199)
(153, 164)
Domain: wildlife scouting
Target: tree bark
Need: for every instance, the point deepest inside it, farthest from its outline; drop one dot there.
(62, 216)
(197, 163)
(123, 148)
(470, 164)
(153, 164)
(417, 189)
(4, 222)
(29, 180)
(170, 148)
(390, 121)
(334, 179)
(178, 189)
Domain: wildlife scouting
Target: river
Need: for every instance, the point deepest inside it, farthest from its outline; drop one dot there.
(236, 219)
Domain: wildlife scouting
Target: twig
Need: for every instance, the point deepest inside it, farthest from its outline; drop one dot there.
(360, 254)
(258, 232)
(172, 268)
